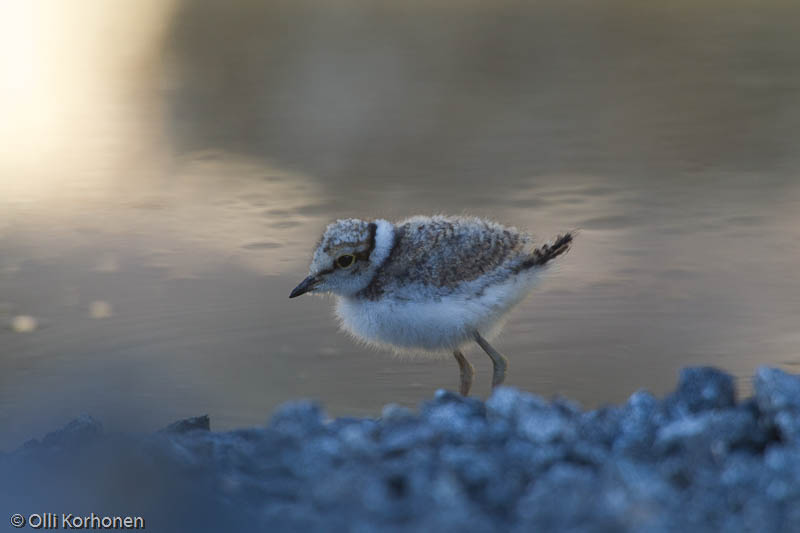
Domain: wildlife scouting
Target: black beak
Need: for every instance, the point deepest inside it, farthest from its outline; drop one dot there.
(305, 286)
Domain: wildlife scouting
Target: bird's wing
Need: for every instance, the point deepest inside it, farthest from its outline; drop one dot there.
(444, 252)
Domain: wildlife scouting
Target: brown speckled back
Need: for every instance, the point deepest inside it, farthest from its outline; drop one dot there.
(445, 251)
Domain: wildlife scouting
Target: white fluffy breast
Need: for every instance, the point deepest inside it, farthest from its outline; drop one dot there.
(416, 321)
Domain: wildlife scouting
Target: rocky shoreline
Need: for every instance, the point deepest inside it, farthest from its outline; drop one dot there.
(696, 460)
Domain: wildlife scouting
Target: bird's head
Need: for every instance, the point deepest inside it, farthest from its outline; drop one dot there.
(346, 257)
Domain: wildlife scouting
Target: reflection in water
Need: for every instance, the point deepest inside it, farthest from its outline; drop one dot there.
(23, 324)
(166, 168)
(100, 309)
(71, 89)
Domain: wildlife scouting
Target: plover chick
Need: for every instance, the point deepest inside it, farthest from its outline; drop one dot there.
(427, 283)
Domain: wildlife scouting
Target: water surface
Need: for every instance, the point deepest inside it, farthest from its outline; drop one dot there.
(166, 168)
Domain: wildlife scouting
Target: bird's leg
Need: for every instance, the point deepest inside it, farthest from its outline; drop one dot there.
(499, 363)
(466, 373)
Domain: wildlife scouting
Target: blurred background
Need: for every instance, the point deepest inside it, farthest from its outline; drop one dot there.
(166, 167)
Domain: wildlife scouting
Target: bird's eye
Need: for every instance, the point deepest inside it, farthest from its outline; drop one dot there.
(344, 261)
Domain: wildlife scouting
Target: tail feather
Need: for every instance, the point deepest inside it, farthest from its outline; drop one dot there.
(542, 255)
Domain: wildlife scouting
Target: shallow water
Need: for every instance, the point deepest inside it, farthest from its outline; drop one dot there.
(166, 169)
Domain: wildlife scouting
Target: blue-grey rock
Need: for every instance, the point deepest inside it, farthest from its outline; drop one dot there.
(512, 405)
(393, 413)
(696, 461)
(202, 423)
(78, 433)
(639, 419)
(298, 418)
(775, 390)
(702, 388)
(777, 395)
